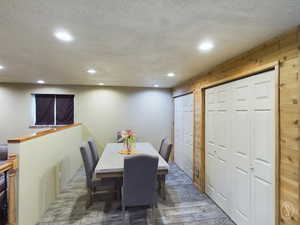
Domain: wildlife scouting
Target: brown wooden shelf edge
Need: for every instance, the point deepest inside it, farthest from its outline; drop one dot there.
(41, 133)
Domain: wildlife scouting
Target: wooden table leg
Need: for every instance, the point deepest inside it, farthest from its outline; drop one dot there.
(158, 185)
(162, 186)
(118, 190)
(11, 198)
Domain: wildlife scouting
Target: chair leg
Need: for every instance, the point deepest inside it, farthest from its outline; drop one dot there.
(152, 213)
(115, 192)
(123, 213)
(158, 181)
(118, 191)
(163, 186)
(90, 199)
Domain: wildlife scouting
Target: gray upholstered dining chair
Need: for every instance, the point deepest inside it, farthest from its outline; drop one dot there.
(165, 150)
(95, 152)
(139, 182)
(161, 144)
(3, 157)
(95, 185)
(3, 152)
(3, 185)
(119, 137)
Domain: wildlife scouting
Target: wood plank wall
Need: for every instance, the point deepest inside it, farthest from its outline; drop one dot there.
(284, 49)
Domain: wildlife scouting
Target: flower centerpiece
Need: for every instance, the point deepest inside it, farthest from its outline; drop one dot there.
(129, 139)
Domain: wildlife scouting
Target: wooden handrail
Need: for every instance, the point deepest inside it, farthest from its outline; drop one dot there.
(41, 133)
(10, 166)
(6, 166)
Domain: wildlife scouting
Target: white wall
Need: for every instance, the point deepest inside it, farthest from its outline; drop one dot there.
(15, 108)
(46, 164)
(102, 110)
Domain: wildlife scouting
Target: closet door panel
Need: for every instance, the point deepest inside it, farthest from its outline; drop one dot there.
(222, 183)
(241, 213)
(262, 210)
(210, 143)
(222, 132)
(184, 133)
(241, 152)
(240, 148)
(262, 156)
(263, 159)
(223, 149)
(210, 172)
(178, 127)
(217, 127)
(188, 134)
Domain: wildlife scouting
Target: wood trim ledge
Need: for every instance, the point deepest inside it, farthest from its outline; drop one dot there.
(41, 133)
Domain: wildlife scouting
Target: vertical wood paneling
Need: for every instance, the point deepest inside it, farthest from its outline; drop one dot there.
(286, 50)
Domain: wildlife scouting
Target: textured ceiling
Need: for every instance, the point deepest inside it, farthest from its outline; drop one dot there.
(132, 42)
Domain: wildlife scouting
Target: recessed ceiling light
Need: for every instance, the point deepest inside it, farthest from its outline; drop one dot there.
(206, 46)
(171, 74)
(155, 85)
(101, 84)
(63, 36)
(40, 82)
(92, 71)
(1, 67)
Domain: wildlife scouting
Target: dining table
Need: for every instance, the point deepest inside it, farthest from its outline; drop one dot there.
(111, 162)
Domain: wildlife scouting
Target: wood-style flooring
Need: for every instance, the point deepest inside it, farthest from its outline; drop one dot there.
(184, 205)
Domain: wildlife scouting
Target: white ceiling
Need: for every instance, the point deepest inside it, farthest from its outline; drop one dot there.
(132, 42)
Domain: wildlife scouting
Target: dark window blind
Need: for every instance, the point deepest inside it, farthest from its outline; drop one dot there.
(44, 113)
(64, 109)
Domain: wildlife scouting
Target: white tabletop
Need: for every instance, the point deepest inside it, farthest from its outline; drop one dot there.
(112, 161)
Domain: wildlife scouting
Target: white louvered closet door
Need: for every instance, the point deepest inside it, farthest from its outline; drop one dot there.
(240, 148)
(184, 133)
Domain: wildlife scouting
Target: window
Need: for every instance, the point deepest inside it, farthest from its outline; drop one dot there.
(52, 109)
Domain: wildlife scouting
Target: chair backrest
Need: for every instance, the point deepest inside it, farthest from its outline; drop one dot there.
(88, 163)
(119, 137)
(94, 150)
(139, 180)
(166, 150)
(3, 152)
(161, 144)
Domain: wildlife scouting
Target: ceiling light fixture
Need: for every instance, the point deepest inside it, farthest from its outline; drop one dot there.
(63, 36)
(101, 84)
(92, 71)
(206, 46)
(1, 67)
(171, 74)
(156, 85)
(40, 82)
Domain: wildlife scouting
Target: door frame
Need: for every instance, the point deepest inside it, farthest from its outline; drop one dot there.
(264, 68)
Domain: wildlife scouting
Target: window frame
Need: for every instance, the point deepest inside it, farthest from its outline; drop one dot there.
(33, 111)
